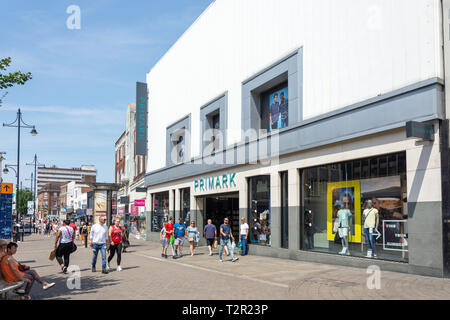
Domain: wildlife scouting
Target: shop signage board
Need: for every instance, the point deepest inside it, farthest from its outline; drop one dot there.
(419, 130)
(218, 183)
(125, 200)
(141, 118)
(5, 215)
(89, 212)
(139, 203)
(134, 210)
(395, 235)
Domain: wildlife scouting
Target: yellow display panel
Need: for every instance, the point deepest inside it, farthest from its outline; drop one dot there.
(339, 187)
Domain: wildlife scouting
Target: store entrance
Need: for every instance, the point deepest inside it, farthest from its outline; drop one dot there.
(218, 207)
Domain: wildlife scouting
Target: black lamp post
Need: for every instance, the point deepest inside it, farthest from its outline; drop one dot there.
(19, 123)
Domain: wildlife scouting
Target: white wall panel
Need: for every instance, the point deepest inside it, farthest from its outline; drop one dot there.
(353, 50)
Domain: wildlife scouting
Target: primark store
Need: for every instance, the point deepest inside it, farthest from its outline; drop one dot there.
(328, 134)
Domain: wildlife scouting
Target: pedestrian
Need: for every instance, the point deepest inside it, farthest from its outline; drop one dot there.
(225, 235)
(244, 235)
(75, 228)
(64, 243)
(210, 234)
(13, 271)
(180, 235)
(168, 233)
(115, 235)
(162, 238)
(192, 236)
(98, 239)
(126, 237)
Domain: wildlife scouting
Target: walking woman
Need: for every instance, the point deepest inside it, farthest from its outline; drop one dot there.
(192, 236)
(65, 237)
(115, 235)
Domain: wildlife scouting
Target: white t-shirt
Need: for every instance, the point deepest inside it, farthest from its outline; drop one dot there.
(99, 233)
(66, 234)
(244, 228)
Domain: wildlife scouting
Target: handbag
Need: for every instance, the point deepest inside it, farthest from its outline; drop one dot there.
(215, 245)
(337, 239)
(52, 255)
(74, 247)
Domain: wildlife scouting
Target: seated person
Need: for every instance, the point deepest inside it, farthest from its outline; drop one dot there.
(13, 271)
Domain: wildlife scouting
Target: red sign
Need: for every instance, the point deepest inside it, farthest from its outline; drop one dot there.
(134, 210)
(121, 212)
(139, 203)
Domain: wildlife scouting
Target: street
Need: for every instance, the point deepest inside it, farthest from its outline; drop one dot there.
(146, 275)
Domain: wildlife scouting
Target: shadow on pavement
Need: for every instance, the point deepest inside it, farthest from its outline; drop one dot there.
(88, 284)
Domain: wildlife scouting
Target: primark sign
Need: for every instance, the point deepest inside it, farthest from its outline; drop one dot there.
(216, 183)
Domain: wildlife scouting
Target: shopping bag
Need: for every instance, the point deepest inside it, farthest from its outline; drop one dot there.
(216, 245)
(172, 239)
(239, 246)
(52, 255)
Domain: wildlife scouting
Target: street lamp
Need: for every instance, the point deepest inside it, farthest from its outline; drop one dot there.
(35, 164)
(19, 123)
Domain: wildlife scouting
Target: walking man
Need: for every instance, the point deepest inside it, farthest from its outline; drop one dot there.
(169, 232)
(98, 239)
(210, 234)
(225, 234)
(180, 235)
(244, 236)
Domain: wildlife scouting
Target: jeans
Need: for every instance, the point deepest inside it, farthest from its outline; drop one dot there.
(102, 248)
(243, 245)
(370, 240)
(225, 243)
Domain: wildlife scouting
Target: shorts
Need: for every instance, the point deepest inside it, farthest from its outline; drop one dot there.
(163, 242)
(179, 241)
(210, 242)
(343, 232)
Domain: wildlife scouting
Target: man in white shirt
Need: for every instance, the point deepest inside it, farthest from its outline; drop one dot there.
(98, 239)
(244, 236)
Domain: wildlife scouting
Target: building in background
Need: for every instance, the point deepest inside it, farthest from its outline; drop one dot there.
(55, 175)
(48, 201)
(295, 120)
(129, 175)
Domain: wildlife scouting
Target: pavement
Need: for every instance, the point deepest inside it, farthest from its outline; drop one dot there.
(146, 275)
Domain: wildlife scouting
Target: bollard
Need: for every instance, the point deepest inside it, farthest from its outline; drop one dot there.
(22, 234)
(85, 240)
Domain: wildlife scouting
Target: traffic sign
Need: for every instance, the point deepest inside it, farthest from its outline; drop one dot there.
(6, 188)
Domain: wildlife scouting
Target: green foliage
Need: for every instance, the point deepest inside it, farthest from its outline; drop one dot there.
(24, 197)
(10, 79)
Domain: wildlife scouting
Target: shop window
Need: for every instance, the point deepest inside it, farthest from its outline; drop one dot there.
(284, 210)
(213, 123)
(274, 109)
(160, 214)
(259, 205)
(185, 206)
(369, 195)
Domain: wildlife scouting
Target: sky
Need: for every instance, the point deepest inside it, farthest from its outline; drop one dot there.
(83, 78)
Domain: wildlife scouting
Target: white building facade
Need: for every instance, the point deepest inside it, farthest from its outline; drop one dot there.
(293, 114)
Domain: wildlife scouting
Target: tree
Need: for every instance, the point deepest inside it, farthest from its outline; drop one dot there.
(8, 80)
(24, 197)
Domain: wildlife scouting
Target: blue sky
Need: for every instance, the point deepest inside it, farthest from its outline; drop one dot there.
(82, 79)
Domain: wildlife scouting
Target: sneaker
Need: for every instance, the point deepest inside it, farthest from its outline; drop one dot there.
(107, 267)
(93, 269)
(119, 268)
(369, 254)
(20, 291)
(235, 259)
(105, 271)
(165, 256)
(210, 253)
(220, 260)
(64, 269)
(174, 257)
(375, 255)
(27, 297)
(48, 286)
(162, 255)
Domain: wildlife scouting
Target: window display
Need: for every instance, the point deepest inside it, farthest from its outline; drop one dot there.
(259, 204)
(357, 208)
(275, 108)
(186, 205)
(160, 214)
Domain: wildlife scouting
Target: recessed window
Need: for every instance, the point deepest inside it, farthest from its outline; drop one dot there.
(274, 109)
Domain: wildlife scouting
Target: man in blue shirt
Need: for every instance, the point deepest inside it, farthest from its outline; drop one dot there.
(180, 235)
(210, 234)
(284, 110)
(225, 235)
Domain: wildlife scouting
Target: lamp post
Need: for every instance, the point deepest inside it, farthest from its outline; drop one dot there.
(1, 159)
(19, 123)
(35, 164)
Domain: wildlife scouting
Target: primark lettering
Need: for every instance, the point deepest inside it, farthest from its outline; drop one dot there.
(215, 183)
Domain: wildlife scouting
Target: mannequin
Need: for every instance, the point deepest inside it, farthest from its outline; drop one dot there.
(370, 224)
(309, 229)
(345, 218)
